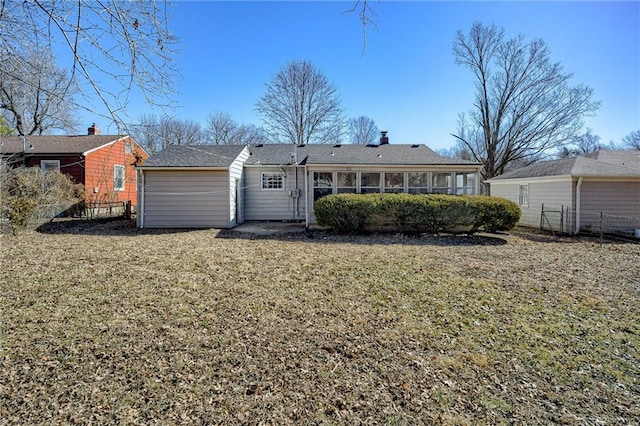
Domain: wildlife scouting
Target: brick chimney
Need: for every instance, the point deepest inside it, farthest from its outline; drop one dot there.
(93, 130)
(384, 139)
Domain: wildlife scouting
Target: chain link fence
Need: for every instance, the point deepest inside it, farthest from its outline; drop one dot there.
(604, 223)
(562, 220)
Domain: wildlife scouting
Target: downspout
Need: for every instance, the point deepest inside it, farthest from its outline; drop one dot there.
(296, 200)
(141, 200)
(578, 186)
(306, 197)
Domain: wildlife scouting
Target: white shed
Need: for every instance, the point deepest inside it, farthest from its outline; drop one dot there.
(192, 187)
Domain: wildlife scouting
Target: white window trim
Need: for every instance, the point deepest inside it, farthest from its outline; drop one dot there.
(272, 174)
(115, 168)
(524, 201)
(44, 162)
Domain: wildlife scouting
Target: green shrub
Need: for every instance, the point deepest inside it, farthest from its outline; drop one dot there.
(430, 213)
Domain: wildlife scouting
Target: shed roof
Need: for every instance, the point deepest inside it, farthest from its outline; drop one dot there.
(195, 156)
(55, 144)
(574, 166)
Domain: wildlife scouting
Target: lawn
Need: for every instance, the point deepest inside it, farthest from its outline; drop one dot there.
(103, 323)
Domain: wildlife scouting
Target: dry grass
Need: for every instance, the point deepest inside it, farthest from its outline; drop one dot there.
(108, 324)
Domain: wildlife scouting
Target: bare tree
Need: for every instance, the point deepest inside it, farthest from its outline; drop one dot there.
(113, 46)
(301, 106)
(36, 96)
(367, 15)
(221, 129)
(632, 140)
(363, 131)
(456, 151)
(582, 144)
(155, 134)
(524, 106)
(250, 134)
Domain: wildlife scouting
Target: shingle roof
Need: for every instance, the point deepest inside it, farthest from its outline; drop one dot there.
(320, 154)
(195, 156)
(54, 144)
(575, 166)
(626, 158)
(284, 154)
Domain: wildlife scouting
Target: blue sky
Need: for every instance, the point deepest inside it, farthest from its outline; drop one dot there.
(406, 80)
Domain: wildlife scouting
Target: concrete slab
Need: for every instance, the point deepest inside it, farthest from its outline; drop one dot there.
(269, 228)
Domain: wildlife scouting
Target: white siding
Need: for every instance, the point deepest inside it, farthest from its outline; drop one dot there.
(236, 195)
(186, 199)
(611, 198)
(555, 196)
(262, 204)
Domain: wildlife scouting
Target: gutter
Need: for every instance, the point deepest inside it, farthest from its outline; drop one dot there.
(578, 188)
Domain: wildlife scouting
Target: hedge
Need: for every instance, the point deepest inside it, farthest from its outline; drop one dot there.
(425, 213)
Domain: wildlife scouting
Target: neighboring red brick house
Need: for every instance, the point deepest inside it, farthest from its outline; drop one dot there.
(104, 164)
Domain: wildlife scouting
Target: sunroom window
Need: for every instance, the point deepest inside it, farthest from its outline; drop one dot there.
(322, 184)
(394, 182)
(346, 182)
(465, 183)
(418, 182)
(369, 183)
(441, 183)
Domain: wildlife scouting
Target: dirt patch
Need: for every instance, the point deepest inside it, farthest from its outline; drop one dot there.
(110, 324)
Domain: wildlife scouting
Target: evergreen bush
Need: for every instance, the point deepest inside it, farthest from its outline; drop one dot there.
(428, 213)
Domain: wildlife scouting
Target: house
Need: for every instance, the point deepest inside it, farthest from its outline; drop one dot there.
(104, 164)
(224, 185)
(579, 187)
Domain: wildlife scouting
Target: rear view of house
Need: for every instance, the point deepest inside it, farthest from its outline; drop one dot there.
(224, 185)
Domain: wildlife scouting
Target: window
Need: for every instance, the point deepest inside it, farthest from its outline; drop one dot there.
(418, 182)
(523, 196)
(346, 182)
(272, 181)
(118, 178)
(322, 184)
(128, 149)
(369, 182)
(393, 182)
(46, 165)
(465, 183)
(441, 183)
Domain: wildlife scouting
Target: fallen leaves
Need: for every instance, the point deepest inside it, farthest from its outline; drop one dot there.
(116, 325)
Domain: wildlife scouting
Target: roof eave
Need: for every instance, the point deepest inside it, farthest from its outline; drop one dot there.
(104, 145)
(182, 168)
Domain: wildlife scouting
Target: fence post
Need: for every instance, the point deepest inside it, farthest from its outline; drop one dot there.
(601, 227)
(127, 209)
